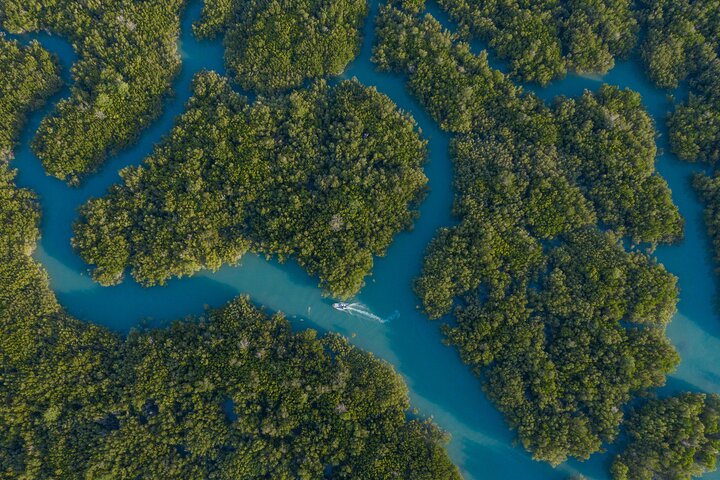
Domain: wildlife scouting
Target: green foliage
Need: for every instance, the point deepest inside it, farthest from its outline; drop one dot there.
(47, 361)
(608, 142)
(80, 402)
(603, 142)
(675, 438)
(556, 359)
(127, 61)
(77, 401)
(544, 39)
(303, 406)
(459, 89)
(30, 76)
(708, 189)
(679, 33)
(274, 45)
(683, 43)
(560, 321)
(326, 175)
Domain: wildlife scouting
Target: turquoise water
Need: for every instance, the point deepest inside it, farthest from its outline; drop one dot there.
(440, 385)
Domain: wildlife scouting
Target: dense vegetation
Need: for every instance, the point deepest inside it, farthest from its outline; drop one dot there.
(78, 401)
(233, 394)
(561, 321)
(542, 40)
(275, 45)
(558, 319)
(674, 438)
(683, 43)
(127, 61)
(30, 75)
(326, 175)
(708, 189)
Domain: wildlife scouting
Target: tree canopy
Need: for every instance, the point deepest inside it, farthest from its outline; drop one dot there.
(561, 322)
(683, 43)
(555, 307)
(708, 189)
(231, 394)
(674, 438)
(31, 75)
(127, 59)
(325, 175)
(542, 40)
(274, 45)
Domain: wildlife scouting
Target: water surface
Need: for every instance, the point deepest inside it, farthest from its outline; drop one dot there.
(440, 385)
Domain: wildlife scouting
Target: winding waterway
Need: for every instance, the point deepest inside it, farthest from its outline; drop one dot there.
(440, 385)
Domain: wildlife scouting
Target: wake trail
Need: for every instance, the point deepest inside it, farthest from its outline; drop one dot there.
(362, 311)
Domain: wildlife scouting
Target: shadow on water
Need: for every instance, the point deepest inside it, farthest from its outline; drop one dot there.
(440, 385)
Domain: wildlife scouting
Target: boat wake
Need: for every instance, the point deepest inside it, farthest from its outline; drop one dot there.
(359, 310)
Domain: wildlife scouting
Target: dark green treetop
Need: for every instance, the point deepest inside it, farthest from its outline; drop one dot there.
(31, 75)
(563, 324)
(325, 175)
(127, 59)
(232, 394)
(274, 45)
(683, 43)
(674, 438)
(708, 190)
(544, 39)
